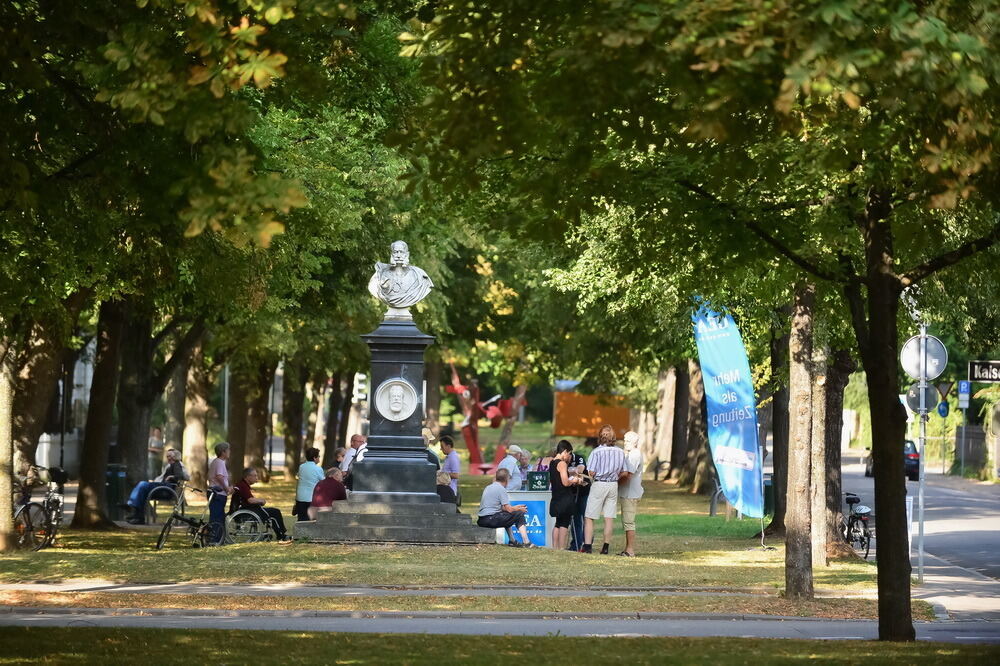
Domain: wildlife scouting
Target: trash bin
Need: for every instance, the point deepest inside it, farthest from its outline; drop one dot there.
(116, 494)
(768, 497)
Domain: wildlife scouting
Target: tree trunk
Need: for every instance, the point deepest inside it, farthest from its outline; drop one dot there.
(134, 412)
(293, 400)
(798, 553)
(174, 406)
(875, 328)
(317, 420)
(91, 505)
(817, 470)
(779, 426)
(258, 416)
(196, 419)
(508, 426)
(662, 446)
(678, 453)
(838, 374)
(7, 540)
(698, 469)
(335, 401)
(238, 391)
(432, 410)
(344, 421)
(36, 385)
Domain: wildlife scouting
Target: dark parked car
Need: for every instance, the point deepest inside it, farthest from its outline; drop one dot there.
(911, 462)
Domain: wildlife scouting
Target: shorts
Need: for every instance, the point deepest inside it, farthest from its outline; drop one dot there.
(629, 508)
(603, 500)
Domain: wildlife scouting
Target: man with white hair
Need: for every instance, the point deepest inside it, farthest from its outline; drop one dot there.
(630, 490)
(512, 463)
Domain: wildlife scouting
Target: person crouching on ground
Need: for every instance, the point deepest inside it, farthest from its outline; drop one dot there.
(243, 499)
(329, 490)
(630, 490)
(310, 473)
(496, 511)
(607, 466)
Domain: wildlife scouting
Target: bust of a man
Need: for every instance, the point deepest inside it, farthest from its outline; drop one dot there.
(398, 284)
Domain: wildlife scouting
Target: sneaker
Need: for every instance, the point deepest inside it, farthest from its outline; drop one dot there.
(605, 548)
(516, 544)
(136, 521)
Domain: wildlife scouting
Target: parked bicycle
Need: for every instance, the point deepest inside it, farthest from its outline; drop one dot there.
(36, 524)
(855, 529)
(199, 531)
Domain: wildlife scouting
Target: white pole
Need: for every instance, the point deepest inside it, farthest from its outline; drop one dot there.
(923, 441)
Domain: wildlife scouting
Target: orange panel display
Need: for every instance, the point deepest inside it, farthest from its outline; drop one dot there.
(581, 415)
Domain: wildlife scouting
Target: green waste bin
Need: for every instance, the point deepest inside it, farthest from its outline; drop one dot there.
(768, 496)
(115, 492)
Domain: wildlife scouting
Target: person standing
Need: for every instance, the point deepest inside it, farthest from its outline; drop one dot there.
(581, 492)
(219, 490)
(512, 463)
(154, 453)
(358, 442)
(607, 465)
(630, 490)
(310, 473)
(452, 464)
(563, 503)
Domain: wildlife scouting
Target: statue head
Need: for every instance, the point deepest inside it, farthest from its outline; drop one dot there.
(399, 254)
(396, 398)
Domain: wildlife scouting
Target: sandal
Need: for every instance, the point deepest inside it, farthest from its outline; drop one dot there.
(625, 553)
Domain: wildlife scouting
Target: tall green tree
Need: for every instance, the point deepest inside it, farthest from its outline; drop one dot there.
(858, 139)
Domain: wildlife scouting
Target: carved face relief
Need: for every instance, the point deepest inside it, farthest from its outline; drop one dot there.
(396, 399)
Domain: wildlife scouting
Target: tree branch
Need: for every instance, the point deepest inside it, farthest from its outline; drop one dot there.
(928, 268)
(169, 328)
(183, 348)
(781, 248)
(856, 305)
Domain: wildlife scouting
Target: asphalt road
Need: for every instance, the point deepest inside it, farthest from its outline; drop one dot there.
(961, 519)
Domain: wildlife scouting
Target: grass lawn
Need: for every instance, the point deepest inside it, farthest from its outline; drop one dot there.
(679, 545)
(75, 645)
(758, 604)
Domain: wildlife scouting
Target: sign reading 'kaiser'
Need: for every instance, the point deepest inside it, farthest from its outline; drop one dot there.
(984, 371)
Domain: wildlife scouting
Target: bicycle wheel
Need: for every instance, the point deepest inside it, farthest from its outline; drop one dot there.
(24, 536)
(206, 535)
(164, 533)
(38, 525)
(864, 541)
(244, 526)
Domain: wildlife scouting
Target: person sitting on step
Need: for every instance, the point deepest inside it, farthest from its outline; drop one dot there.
(495, 510)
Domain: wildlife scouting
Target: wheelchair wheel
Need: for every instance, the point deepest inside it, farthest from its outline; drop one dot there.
(164, 533)
(245, 526)
(157, 498)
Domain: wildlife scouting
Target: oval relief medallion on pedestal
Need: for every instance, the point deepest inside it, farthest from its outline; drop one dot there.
(396, 399)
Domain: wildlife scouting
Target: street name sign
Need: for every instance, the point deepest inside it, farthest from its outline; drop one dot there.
(984, 371)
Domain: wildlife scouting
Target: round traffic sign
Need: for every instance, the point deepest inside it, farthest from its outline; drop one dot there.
(913, 397)
(942, 409)
(937, 357)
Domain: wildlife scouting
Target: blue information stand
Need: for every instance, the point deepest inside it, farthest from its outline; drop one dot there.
(538, 520)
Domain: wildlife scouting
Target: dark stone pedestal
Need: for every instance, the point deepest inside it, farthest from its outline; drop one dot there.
(393, 522)
(394, 467)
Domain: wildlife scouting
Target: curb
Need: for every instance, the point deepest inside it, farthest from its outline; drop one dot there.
(442, 615)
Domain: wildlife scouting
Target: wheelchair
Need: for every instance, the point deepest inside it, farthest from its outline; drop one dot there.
(247, 525)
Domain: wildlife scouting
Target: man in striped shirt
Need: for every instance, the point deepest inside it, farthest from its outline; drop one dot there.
(607, 465)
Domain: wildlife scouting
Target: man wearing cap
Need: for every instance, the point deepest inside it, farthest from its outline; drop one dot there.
(511, 463)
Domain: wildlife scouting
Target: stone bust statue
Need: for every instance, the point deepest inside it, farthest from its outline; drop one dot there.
(398, 284)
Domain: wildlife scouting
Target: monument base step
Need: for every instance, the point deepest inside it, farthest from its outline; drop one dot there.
(379, 522)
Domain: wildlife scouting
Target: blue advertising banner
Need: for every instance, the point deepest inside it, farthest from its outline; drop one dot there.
(537, 520)
(732, 410)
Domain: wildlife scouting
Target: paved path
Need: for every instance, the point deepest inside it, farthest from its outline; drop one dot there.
(498, 624)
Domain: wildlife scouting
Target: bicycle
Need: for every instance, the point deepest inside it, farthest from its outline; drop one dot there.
(200, 531)
(36, 524)
(855, 528)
